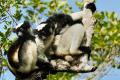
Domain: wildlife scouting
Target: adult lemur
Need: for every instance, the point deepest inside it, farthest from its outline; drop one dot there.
(70, 34)
(70, 30)
(23, 55)
(77, 38)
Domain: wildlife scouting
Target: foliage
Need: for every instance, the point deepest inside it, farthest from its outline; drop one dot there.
(105, 43)
(60, 76)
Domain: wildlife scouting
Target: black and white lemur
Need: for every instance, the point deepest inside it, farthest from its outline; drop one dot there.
(72, 31)
(69, 35)
(23, 55)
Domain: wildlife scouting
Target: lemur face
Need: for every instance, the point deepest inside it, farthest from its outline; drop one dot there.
(90, 6)
(23, 29)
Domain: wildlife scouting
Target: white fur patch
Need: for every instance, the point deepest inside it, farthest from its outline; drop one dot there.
(15, 56)
(41, 26)
(20, 33)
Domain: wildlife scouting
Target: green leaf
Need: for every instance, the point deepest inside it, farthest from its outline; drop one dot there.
(18, 15)
(99, 15)
(2, 34)
(4, 62)
(79, 4)
(61, 4)
(8, 32)
(42, 9)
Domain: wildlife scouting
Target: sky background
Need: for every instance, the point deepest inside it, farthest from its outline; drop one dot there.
(102, 5)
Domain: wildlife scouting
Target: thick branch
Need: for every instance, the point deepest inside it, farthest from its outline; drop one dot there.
(103, 66)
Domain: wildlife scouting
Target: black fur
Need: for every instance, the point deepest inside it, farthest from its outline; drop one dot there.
(86, 50)
(19, 42)
(91, 6)
(61, 20)
(23, 28)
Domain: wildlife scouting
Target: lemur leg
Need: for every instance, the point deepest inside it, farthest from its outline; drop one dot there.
(71, 40)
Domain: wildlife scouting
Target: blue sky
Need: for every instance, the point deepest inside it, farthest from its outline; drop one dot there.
(102, 5)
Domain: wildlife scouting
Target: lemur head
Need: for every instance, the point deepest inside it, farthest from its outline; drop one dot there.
(24, 29)
(90, 6)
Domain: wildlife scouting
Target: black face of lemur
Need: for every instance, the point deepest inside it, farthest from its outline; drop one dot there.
(24, 29)
(91, 6)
